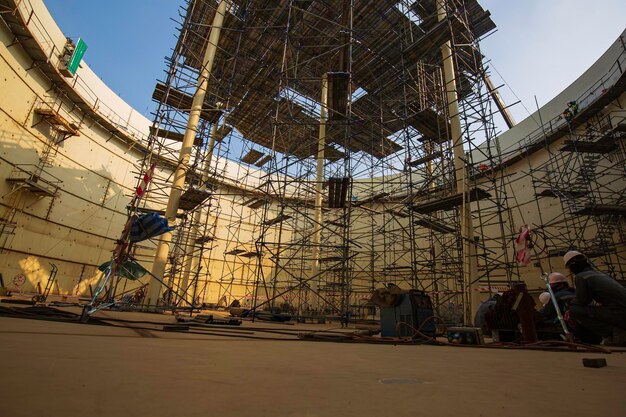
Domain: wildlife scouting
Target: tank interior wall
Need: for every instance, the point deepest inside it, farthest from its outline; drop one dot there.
(96, 173)
(77, 229)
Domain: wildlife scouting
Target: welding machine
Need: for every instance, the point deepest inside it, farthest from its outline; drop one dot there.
(411, 310)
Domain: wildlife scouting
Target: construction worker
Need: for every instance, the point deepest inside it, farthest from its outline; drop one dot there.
(345, 319)
(564, 295)
(544, 299)
(568, 115)
(600, 301)
(570, 111)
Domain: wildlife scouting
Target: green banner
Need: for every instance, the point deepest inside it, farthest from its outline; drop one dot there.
(77, 56)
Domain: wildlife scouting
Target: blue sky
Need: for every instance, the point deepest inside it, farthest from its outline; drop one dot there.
(127, 39)
(541, 46)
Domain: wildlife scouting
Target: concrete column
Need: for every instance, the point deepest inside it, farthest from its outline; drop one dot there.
(317, 231)
(430, 168)
(436, 245)
(449, 78)
(456, 133)
(160, 259)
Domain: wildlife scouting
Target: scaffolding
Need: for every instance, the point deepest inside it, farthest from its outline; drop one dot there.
(186, 274)
(333, 169)
(585, 174)
(329, 148)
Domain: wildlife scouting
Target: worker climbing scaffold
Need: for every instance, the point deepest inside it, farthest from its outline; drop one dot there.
(571, 111)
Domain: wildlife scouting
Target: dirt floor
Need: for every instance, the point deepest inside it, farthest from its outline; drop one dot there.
(260, 369)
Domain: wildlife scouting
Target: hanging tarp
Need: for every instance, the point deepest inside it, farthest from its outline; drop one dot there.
(129, 270)
(147, 226)
(523, 245)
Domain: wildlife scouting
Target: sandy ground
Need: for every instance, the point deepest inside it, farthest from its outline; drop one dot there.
(66, 369)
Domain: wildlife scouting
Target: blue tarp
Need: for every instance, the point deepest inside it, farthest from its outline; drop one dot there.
(147, 226)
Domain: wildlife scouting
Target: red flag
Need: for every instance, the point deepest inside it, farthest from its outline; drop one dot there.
(143, 186)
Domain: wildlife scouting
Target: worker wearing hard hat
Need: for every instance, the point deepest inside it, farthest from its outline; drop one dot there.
(564, 295)
(544, 298)
(607, 316)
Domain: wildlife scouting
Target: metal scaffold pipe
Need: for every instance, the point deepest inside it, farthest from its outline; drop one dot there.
(160, 259)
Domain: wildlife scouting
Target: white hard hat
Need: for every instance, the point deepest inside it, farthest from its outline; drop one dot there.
(544, 298)
(555, 277)
(570, 255)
